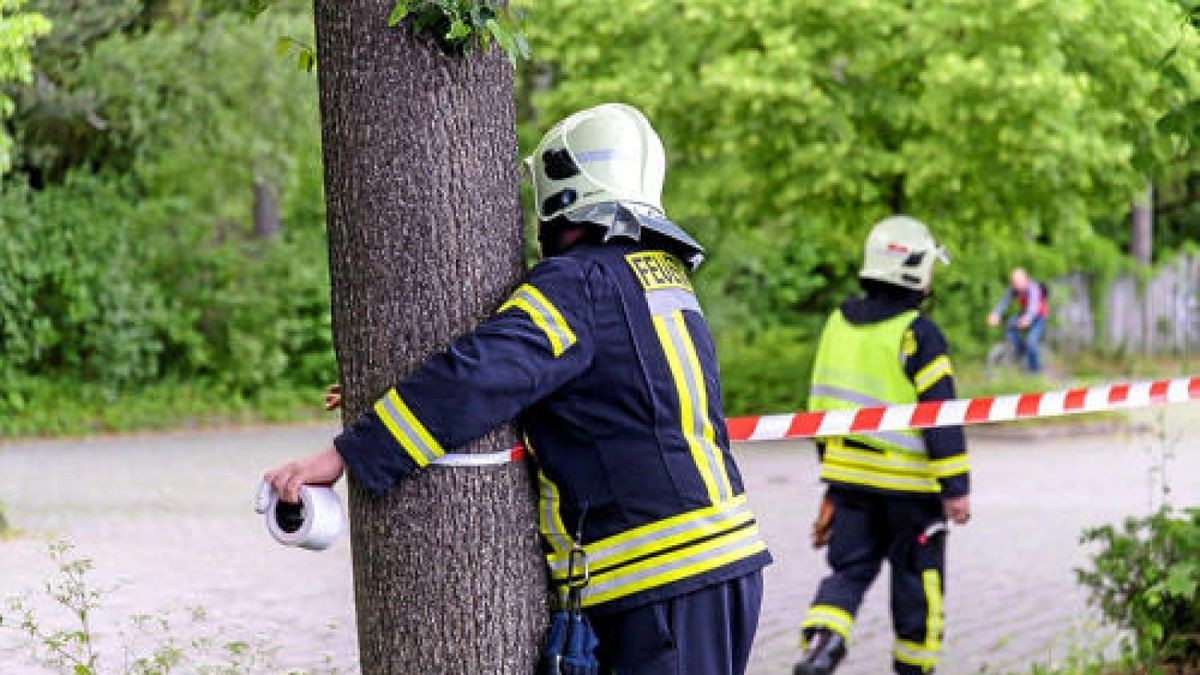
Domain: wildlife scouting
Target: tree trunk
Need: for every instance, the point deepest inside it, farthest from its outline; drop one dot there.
(1141, 247)
(1141, 238)
(267, 223)
(425, 239)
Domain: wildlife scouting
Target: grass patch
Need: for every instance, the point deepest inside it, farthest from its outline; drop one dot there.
(67, 408)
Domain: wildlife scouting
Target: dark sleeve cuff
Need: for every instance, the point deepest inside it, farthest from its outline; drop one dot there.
(956, 486)
(372, 454)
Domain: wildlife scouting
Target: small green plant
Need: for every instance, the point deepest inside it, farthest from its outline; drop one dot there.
(1145, 578)
(461, 26)
(150, 644)
(69, 649)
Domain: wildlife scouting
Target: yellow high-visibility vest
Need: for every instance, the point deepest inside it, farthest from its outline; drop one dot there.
(863, 366)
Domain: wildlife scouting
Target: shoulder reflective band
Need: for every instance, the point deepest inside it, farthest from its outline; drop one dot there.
(953, 412)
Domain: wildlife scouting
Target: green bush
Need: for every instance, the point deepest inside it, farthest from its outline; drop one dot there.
(765, 371)
(1146, 579)
(135, 264)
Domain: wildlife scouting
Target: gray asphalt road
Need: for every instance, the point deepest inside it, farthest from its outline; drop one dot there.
(167, 519)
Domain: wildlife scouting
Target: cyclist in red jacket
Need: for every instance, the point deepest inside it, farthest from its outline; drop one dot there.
(1031, 300)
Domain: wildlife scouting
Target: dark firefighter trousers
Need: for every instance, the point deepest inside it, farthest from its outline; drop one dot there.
(869, 528)
(706, 632)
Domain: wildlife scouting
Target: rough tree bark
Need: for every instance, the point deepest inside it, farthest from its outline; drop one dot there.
(425, 240)
(267, 222)
(1141, 240)
(1141, 247)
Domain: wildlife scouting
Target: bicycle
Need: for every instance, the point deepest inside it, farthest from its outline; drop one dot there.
(1003, 356)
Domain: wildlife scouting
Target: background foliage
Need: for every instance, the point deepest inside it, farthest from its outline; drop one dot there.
(18, 30)
(161, 229)
(129, 251)
(1011, 128)
(1145, 578)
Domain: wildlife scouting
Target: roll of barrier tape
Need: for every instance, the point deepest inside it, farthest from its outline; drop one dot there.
(313, 524)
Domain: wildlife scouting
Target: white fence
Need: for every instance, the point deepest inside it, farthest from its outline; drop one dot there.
(1160, 315)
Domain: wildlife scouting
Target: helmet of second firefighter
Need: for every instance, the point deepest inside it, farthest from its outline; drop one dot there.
(901, 251)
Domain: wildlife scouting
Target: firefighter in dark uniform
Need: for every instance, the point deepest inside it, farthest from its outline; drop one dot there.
(603, 357)
(890, 493)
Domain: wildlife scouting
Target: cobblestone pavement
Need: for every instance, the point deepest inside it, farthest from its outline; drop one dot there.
(167, 519)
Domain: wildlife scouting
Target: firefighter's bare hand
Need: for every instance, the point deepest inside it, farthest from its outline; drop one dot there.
(319, 469)
(333, 397)
(958, 509)
(993, 319)
(822, 527)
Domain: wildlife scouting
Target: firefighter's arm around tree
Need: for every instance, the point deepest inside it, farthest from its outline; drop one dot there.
(537, 340)
(927, 364)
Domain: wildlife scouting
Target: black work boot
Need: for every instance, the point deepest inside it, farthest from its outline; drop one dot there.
(826, 649)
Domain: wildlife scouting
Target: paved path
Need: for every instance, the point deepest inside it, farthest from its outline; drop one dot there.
(168, 518)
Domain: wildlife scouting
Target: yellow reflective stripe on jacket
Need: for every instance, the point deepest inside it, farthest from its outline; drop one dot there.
(840, 474)
(951, 466)
(834, 618)
(550, 522)
(693, 404)
(932, 373)
(703, 556)
(886, 469)
(655, 538)
(893, 464)
(545, 316)
(407, 429)
(925, 655)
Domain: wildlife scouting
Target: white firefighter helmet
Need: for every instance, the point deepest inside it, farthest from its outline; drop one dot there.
(901, 251)
(605, 165)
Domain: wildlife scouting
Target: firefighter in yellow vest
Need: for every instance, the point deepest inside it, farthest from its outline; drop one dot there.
(890, 494)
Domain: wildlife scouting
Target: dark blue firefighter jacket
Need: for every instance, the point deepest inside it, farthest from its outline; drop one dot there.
(603, 357)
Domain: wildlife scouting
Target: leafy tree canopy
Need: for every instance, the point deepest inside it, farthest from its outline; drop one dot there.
(18, 31)
(793, 126)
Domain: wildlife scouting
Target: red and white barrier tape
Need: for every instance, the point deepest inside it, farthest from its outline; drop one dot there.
(960, 411)
(954, 412)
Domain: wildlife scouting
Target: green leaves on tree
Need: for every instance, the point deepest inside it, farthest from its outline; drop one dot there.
(462, 26)
(18, 31)
(303, 54)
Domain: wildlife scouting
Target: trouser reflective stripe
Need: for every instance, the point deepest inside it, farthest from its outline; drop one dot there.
(831, 617)
(914, 654)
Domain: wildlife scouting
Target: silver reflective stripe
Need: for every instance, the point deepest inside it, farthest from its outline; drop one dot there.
(596, 558)
(564, 338)
(909, 442)
(410, 434)
(693, 381)
(914, 443)
(666, 300)
(848, 395)
(741, 541)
